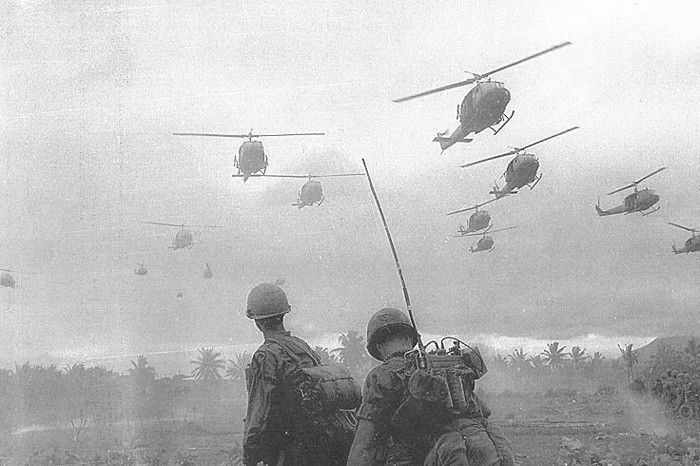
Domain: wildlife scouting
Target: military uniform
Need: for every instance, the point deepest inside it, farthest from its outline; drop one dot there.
(271, 432)
(465, 439)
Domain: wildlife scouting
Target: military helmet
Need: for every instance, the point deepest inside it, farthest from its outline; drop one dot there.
(266, 300)
(382, 320)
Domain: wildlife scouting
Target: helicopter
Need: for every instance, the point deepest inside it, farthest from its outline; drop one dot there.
(207, 272)
(692, 244)
(639, 201)
(479, 220)
(251, 154)
(484, 105)
(485, 243)
(141, 271)
(311, 192)
(521, 171)
(183, 238)
(7, 280)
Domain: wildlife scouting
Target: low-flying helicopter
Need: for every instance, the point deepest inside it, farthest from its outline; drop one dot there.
(479, 220)
(251, 155)
(7, 280)
(183, 238)
(486, 242)
(484, 105)
(141, 271)
(207, 272)
(521, 171)
(692, 244)
(639, 201)
(311, 192)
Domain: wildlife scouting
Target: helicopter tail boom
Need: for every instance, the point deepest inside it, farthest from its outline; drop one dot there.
(613, 211)
(459, 135)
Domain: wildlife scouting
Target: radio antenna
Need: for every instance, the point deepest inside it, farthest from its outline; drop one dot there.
(396, 259)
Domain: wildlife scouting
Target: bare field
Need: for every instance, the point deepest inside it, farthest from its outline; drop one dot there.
(544, 430)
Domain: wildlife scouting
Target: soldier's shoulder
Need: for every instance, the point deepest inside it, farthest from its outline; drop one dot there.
(387, 375)
(265, 353)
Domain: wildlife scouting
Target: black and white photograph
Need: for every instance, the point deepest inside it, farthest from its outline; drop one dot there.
(280, 232)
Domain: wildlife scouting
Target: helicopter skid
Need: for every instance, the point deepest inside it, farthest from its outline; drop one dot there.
(656, 209)
(503, 117)
(537, 180)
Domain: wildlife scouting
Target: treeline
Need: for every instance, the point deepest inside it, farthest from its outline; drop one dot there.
(78, 396)
(557, 368)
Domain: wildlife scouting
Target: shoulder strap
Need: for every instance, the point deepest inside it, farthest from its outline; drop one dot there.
(287, 343)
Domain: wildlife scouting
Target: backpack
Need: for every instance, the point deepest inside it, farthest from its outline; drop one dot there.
(324, 397)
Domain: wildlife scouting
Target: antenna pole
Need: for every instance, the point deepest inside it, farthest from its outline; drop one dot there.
(396, 258)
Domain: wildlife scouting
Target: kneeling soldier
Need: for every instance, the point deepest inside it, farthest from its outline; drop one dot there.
(406, 416)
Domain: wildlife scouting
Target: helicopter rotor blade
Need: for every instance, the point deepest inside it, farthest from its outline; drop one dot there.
(501, 229)
(506, 154)
(551, 49)
(693, 230)
(483, 233)
(286, 134)
(300, 176)
(548, 138)
(335, 175)
(183, 225)
(242, 136)
(473, 207)
(180, 225)
(519, 149)
(477, 77)
(437, 89)
(649, 175)
(246, 136)
(635, 183)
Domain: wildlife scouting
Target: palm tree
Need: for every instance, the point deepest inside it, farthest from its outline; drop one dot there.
(500, 361)
(630, 358)
(554, 356)
(352, 351)
(519, 360)
(208, 365)
(536, 361)
(142, 372)
(326, 355)
(578, 355)
(236, 368)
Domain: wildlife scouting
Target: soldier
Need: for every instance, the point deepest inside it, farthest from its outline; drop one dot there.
(382, 437)
(275, 431)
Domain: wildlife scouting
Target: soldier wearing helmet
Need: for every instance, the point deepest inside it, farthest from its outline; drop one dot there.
(271, 435)
(381, 439)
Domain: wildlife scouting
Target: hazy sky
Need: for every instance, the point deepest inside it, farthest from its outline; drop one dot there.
(91, 92)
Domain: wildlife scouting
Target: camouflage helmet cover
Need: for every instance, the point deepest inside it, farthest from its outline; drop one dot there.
(387, 318)
(266, 300)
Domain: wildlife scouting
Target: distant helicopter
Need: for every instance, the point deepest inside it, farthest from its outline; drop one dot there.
(207, 272)
(311, 192)
(639, 201)
(484, 105)
(692, 244)
(485, 243)
(479, 220)
(251, 155)
(521, 171)
(6, 279)
(141, 271)
(183, 238)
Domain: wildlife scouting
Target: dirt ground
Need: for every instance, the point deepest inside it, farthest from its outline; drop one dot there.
(544, 430)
